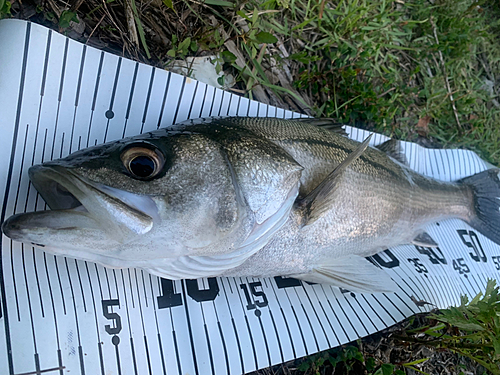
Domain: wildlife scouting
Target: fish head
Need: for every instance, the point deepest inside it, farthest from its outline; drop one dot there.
(160, 194)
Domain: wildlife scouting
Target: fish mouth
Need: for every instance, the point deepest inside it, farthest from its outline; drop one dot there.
(78, 204)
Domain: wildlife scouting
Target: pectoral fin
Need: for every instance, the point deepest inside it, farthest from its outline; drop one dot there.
(320, 199)
(353, 273)
(425, 240)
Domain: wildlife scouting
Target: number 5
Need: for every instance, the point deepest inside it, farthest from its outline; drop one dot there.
(111, 316)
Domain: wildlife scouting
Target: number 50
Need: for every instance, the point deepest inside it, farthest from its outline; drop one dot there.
(474, 244)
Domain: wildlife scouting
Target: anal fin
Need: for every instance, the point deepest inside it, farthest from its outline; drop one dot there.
(353, 273)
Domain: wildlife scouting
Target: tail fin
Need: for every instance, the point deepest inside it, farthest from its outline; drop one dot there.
(486, 189)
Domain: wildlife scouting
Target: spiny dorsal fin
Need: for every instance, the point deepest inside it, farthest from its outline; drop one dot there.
(393, 148)
(325, 123)
(319, 200)
(425, 240)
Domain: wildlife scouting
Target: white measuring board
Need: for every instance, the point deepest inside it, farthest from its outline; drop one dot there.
(58, 96)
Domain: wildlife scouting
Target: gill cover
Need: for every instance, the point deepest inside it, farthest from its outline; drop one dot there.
(267, 179)
(264, 172)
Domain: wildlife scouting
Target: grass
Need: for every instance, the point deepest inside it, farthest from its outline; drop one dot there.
(402, 68)
(470, 330)
(389, 64)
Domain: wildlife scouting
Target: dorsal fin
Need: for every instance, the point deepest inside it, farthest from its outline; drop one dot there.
(319, 200)
(393, 148)
(325, 123)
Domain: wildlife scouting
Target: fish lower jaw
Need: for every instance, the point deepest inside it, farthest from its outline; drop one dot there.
(87, 204)
(83, 255)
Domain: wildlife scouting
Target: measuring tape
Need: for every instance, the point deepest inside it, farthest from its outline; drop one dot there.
(59, 314)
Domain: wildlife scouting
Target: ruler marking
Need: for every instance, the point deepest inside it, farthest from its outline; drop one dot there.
(345, 315)
(177, 107)
(134, 361)
(164, 100)
(142, 319)
(233, 324)
(284, 320)
(192, 99)
(96, 90)
(77, 97)
(148, 97)
(80, 349)
(247, 323)
(188, 319)
(204, 100)
(61, 85)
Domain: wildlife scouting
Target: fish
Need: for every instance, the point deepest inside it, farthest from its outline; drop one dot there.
(247, 197)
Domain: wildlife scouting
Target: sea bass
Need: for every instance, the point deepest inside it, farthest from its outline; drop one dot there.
(242, 196)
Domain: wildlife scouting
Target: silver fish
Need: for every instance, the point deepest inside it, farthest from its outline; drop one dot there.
(246, 197)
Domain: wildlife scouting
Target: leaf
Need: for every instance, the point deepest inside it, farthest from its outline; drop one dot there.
(255, 15)
(242, 15)
(387, 369)
(253, 54)
(304, 366)
(184, 45)
(218, 66)
(220, 3)
(416, 362)
(422, 127)
(334, 361)
(171, 53)
(351, 352)
(140, 29)
(496, 346)
(228, 57)
(284, 3)
(66, 18)
(49, 15)
(468, 326)
(265, 37)
(2, 3)
(302, 57)
(370, 363)
(142, 37)
(168, 4)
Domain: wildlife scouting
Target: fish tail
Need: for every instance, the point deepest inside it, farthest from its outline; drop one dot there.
(486, 203)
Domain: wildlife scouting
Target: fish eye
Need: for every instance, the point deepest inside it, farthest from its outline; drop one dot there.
(142, 162)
